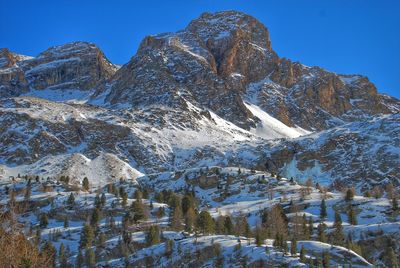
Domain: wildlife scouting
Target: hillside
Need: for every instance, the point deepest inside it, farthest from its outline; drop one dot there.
(206, 149)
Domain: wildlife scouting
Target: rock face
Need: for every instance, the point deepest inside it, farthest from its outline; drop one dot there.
(12, 78)
(222, 59)
(73, 66)
(201, 64)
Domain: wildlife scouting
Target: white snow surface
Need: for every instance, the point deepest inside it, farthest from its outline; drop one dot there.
(272, 128)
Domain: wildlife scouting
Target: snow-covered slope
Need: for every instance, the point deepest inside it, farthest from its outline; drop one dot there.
(270, 127)
(100, 171)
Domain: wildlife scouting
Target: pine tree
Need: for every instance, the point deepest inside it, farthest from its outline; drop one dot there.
(124, 196)
(321, 232)
(323, 212)
(176, 219)
(95, 217)
(79, 260)
(103, 199)
(138, 209)
(304, 228)
(66, 222)
(205, 222)
(160, 212)
(228, 225)
(259, 235)
(310, 226)
(311, 263)
(87, 236)
(62, 257)
(337, 235)
(392, 259)
(71, 200)
(190, 220)
(50, 252)
(90, 258)
(293, 247)
(349, 195)
(169, 247)
(187, 202)
(97, 202)
(395, 203)
(325, 259)
(352, 215)
(85, 184)
(44, 220)
(138, 195)
(153, 235)
(303, 254)
(28, 191)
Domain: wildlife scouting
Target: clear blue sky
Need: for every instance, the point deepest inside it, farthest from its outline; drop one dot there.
(344, 36)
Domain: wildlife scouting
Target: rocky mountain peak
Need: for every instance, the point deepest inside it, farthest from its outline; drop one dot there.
(224, 24)
(221, 60)
(239, 43)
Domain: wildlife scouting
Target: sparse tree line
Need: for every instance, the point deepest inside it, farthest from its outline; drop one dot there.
(183, 215)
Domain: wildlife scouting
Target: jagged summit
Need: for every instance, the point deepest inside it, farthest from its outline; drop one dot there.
(222, 60)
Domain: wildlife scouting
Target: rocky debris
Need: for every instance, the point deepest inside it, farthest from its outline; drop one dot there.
(361, 154)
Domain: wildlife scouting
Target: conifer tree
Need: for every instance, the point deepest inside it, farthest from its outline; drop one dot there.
(28, 192)
(190, 220)
(50, 252)
(160, 212)
(138, 209)
(71, 200)
(311, 263)
(351, 214)
(103, 199)
(44, 220)
(62, 257)
(259, 235)
(349, 195)
(304, 228)
(176, 219)
(138, 195)
(323, 212)
(153, 235)
(79, 260)
(205, 222)
(90, 258)
(85, 184)
(187, 202)
(310, 226)
(303, 254)
(228, 225)
(393, 262)
(95, 217)
(87, 236)
(325, 259)
(395, 203)
(321, 232)
(169, 247)
(293, 247)
(337, 235)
